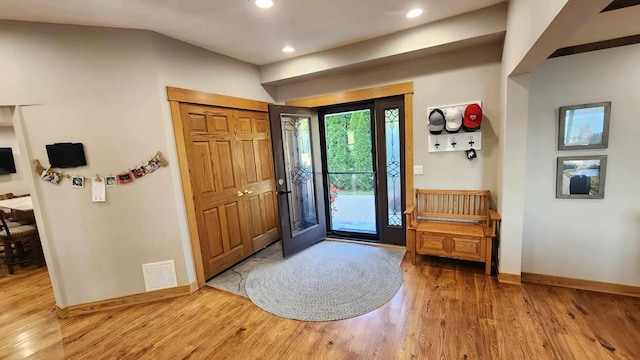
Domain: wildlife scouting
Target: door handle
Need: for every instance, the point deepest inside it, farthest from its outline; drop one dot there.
(282, 192)
(248, 191)
(239, 193)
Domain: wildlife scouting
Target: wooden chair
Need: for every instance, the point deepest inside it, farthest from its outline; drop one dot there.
(18, 238)
(7, 213)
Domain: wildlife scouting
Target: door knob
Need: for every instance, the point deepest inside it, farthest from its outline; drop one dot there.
(248, 191)
(239, 193)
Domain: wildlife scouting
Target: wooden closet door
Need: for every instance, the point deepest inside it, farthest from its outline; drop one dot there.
(216, 177)
(259, 185)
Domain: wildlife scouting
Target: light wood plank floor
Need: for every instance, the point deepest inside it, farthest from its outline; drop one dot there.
(444, 310)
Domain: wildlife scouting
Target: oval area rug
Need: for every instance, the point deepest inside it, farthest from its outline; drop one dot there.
(328, 281)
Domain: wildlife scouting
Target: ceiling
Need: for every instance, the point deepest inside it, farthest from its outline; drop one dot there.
(237, 28)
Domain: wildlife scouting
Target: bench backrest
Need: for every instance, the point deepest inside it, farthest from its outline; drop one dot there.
(469, 205)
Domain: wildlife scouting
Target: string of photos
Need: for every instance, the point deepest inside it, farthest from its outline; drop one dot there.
(125, 177)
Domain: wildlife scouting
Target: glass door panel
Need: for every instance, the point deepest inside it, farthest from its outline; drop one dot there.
(394, 183)
(295, 135)
(296, 142)
(350, 172)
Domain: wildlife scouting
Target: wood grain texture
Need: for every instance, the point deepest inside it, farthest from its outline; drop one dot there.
(123, 301)
(408, 148)
(203, 98)
(444, 228)
(444, 310)
(582, 284)
(187, 191)
(224, 150)
(353, 96)
(506, 278)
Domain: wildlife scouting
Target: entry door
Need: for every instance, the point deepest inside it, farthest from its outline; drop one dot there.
(364, 169)
(296, 148)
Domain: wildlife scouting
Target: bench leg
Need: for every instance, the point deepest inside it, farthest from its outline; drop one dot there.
(487, 262)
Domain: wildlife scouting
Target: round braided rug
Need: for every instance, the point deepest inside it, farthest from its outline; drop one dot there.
(328, 281)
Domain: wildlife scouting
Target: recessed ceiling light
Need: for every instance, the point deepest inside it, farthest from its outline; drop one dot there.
(264, 4)
(288, 49)
(414, 13)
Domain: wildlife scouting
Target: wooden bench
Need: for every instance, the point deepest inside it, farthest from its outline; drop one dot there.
(458, 224)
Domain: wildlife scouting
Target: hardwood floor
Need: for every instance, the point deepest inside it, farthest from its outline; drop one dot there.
(444, 310)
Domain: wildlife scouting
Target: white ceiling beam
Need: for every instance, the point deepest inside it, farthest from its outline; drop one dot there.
(439, 36)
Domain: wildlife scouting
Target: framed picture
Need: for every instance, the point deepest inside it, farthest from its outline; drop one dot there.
(584, 126)
(77, 182)
(581, 177)
(110, 181)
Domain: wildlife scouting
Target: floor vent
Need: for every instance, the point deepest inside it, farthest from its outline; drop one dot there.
(159, 275)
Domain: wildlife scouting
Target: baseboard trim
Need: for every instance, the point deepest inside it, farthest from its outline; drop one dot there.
(609, 288)
(123, 301)
(512, 279)
(398, 247)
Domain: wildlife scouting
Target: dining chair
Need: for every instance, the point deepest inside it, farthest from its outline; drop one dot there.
(18, 238)
(7, 213)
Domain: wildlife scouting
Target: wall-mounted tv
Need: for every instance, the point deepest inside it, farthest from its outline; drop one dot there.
(66, 155)
(7, 164)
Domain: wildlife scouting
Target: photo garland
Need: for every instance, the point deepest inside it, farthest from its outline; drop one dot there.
(125, 177)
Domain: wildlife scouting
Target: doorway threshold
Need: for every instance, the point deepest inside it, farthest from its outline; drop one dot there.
(369, 242)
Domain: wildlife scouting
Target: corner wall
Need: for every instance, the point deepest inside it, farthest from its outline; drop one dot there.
(449, 78)
(106, 88)
(586, 239)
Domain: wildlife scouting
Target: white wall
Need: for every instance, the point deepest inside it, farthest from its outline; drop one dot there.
(586, 239)
(450, 78)
(105, 88)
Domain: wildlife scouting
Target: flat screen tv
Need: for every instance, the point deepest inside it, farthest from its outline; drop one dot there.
(66, 155)
(7, 164)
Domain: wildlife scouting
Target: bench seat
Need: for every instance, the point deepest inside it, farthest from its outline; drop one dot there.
(464, 227)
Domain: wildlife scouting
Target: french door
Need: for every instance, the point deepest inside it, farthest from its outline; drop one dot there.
(342, 171)
(363, 167)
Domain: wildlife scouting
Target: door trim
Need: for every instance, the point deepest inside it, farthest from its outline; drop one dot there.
(405, 89)
(354, 95)
(203, 98)
(175, 97)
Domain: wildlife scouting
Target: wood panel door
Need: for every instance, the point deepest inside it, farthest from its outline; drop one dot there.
(258, 180)
(216, 175)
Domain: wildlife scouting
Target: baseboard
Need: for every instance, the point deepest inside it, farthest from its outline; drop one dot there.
(506, 278)
(122, 301)
(590, 285)
(398, 247)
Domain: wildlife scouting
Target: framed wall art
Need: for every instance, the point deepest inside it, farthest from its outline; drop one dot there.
(581, 177)
(584, 126)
